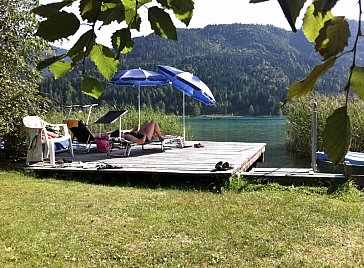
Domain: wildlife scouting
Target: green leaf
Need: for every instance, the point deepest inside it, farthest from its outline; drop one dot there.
(61, 25)
(323, 6)
(89, 9)
(51, 9)
(45, 63)
(86, 39)
(164, 3)
(91, 87)
(113, 11)
(60, 68)
(122, 42)
(104, 60)
(304, 87)
(313, 23)
(333, 37)
(132, 19)
(291, 10)
(183, 10)
(161, 23)
(337, 135)
(257, 1)
(357, 81)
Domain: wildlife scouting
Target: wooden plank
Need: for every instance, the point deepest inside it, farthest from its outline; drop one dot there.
(291, 176)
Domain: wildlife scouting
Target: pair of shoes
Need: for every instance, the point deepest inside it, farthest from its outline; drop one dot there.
(221, 166)
(107, 166)
(66, 161)
(198, 145)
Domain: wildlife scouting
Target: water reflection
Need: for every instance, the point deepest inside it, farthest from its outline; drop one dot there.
(269, 130)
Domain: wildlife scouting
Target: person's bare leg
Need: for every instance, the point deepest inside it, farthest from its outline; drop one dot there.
(152, 128)
(144, 126)
(157, 130)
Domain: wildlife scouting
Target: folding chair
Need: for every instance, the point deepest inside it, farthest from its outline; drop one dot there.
(109, 118)
(81, 133)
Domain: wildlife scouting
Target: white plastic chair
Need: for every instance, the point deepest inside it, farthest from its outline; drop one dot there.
(35, 122)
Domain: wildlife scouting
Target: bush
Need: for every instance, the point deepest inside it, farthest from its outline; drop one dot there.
(19, 51)
(299, 116)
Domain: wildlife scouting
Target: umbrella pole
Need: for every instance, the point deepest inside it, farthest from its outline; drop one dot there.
(183, 117)
(139, 108)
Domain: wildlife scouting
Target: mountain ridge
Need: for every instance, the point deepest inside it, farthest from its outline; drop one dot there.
(248, 68)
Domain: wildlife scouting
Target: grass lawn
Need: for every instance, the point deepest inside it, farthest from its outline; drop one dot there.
(60, 223)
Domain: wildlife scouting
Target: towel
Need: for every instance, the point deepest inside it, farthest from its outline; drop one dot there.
(72, 123)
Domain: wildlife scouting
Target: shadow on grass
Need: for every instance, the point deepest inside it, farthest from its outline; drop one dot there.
(188, 183)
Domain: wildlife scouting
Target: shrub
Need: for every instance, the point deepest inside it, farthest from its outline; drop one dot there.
(19, 51)
(299, 117)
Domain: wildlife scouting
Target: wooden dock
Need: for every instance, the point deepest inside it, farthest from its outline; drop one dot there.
(187, 161)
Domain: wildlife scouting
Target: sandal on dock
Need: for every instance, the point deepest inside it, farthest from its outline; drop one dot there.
(221, 166)
(198, 145)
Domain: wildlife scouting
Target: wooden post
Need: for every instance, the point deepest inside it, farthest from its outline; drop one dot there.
(347, 170)
(314, 137)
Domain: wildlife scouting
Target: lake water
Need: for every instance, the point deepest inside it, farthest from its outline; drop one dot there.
(269, 130)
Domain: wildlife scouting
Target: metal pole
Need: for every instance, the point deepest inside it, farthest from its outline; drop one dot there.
(183, 117)
(314, 137)
(138, 107)
(120, 123)
(89, 114)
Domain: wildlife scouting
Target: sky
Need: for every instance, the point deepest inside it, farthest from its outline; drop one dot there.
(207, 12)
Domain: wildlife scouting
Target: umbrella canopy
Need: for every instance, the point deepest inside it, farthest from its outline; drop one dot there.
(189, 84)
(139, 78)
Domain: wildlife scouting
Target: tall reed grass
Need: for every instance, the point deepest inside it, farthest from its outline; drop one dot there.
(169, 123)
(299, 115)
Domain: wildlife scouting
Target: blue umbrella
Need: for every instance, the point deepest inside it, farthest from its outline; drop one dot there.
(189, 84)
(139, 78)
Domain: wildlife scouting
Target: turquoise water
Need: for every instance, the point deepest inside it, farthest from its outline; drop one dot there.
(269, 130)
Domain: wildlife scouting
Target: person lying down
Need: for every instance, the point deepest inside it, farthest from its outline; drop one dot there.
(144, 134)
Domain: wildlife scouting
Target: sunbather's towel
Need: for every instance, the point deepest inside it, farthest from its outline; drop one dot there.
(61, 146)
(72, 123)
(34, 141)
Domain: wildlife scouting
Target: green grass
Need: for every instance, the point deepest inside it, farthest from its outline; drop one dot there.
(59, 223)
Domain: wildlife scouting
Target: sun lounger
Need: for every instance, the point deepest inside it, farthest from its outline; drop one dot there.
(81, 134)
(127, 145)
(110, 117)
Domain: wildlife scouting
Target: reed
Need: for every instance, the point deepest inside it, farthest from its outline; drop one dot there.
(169, 123)
(298, 114)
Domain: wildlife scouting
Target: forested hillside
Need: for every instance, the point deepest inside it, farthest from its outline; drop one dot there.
(247, 67)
